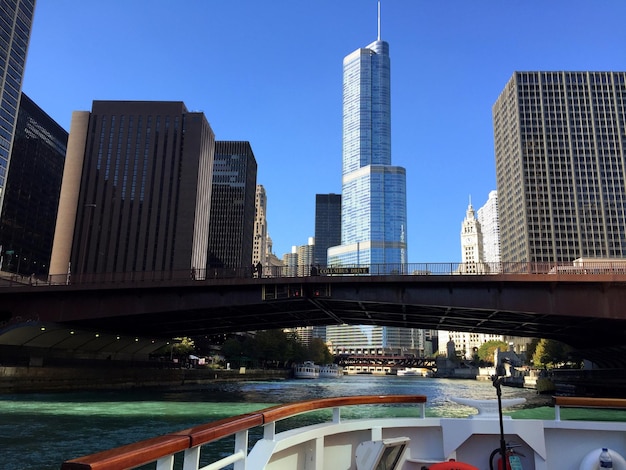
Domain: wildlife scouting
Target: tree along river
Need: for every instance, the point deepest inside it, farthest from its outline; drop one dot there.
(40, 431)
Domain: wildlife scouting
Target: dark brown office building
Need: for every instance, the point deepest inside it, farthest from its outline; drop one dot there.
(136, 190)
(232, 206)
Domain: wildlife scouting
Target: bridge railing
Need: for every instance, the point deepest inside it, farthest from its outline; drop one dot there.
(248, 272)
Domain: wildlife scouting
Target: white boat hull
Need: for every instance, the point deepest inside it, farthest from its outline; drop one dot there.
(542, 444)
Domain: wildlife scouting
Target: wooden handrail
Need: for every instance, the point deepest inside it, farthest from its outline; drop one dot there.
(131, 455)
(150, 450)
(587, 402)
(291, 409)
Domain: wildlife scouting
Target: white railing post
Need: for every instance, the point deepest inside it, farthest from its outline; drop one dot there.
(241, 446)
(269, 431)
(192, 458)
(336, 415)
(557, 413)
(165, 463)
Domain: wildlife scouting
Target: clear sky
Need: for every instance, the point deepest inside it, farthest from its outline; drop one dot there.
(270, 72)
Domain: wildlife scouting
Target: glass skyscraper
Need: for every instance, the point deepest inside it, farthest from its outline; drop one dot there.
(373, 208)
(17, 19)
(231, 226)
(327, 226)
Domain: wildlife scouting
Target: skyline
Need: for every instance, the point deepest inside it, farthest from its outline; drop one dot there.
(273, 76)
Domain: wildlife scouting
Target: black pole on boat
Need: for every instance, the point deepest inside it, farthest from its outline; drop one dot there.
(497, 382)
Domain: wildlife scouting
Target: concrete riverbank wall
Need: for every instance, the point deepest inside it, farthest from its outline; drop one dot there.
(64, 379)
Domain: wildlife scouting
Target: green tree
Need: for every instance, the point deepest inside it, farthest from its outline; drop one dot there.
(182, 347)
(530, 350)
(319, 352)
(271, 345)
(550, 353)
(486, 350)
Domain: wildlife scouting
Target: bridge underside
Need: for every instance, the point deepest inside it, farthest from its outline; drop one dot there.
(318, 312)
(579, 312)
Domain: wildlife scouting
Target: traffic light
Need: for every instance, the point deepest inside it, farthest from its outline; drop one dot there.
(295, 292)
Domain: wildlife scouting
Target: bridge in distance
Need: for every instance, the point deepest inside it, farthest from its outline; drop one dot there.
(578, 309)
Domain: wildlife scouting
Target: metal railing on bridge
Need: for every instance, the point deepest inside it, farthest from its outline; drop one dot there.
(578, 267)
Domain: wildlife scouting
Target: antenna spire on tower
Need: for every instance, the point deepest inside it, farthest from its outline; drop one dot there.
(379, 20)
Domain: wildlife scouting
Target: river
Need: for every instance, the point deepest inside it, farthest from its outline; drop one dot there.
(39, 431)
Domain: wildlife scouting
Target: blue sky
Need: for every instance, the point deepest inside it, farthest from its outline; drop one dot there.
(270, 72)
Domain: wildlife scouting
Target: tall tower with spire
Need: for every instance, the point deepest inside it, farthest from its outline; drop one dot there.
(471, 243)
(373, 209)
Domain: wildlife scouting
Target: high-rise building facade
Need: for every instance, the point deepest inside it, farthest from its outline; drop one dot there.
(327, 226)
(231, 226)
(136, 192)
(373, 205)
(471, 244)
(465, 343)
(15, 27)
(259, 244)
(560, 168)
(374, 340)
(31, 196)
(290, 263)
(489, 223)
(305, 257)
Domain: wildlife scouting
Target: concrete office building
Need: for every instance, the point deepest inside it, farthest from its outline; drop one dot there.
(374, 340)
(136, 192)
(231, 226)
(259, 244)
(373, 198)
(489, 224)
(560, 167)
(471, 244)
(31, 196)
(327, 226)
(305, 257)
(15, 28)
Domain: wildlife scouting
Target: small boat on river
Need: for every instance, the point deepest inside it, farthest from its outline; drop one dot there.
(412, 372)
(411, 441)
(306, 370)
(330, 371)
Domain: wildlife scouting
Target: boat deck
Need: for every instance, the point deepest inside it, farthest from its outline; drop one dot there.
(544, 444)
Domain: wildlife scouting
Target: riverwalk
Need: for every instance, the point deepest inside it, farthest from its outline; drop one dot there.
(21, 379)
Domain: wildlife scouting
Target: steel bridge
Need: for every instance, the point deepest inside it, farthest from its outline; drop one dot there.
(583, 308)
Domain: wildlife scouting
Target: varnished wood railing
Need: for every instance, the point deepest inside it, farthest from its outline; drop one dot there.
(586, 402)
(162, 449)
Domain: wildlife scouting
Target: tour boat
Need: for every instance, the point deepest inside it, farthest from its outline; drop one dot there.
(330, 371)
(306, 370)
(412, 372)
(379, 441)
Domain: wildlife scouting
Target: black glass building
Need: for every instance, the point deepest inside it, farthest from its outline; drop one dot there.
(232, 205)
(32, 191)
(327, 225)
(16, 19)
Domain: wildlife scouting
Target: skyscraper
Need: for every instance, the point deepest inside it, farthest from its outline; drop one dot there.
(471, 244)
(373, 205)
(305, 257)
(32, 191)
(489, 223)
(136, 192)
(17, 20)
(327, 226)
(259, 243)
(231, 223)
(560, 167)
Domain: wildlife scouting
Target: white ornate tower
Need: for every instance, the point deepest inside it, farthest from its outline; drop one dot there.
(471, 244)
